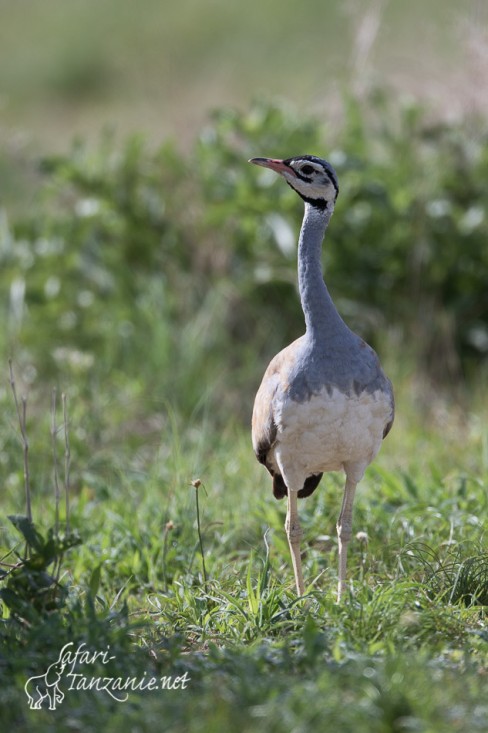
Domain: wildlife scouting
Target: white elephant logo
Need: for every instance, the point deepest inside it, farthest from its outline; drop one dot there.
(46, 686)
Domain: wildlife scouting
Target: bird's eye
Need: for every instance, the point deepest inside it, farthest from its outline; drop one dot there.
(307, 170)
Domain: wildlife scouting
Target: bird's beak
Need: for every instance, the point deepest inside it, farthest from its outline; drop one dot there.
(274, 163)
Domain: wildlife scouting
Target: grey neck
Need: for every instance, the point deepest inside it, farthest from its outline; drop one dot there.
(321, 317)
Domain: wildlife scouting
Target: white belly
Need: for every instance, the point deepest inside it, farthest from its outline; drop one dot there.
(330, 430)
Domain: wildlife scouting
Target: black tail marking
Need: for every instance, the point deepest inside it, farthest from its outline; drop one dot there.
(280, 489)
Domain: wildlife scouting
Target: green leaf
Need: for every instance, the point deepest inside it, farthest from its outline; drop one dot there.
(251, 595)
(94, 582)
(29, 532)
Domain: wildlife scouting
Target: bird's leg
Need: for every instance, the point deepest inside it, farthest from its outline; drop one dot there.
(344, 532)
(294, 533)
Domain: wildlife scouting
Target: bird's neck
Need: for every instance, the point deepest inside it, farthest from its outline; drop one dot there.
(321, 317)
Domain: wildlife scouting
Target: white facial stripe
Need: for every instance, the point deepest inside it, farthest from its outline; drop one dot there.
(297, 166)
(311, 189)
(312, 178)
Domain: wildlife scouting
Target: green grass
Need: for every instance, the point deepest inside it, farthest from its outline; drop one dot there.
(407, 650)
(157, 320)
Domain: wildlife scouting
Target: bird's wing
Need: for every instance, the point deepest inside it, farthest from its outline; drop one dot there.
(389, 390)
(274, 387)
(263, 425)
(275, 379)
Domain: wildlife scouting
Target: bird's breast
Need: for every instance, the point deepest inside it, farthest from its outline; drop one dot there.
(331, 428)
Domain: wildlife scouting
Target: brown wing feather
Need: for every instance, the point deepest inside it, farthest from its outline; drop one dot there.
(263, 424)
(264, 429)
(388, 426)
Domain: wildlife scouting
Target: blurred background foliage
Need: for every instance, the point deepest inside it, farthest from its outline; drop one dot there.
(69, 68)
(142, 262)
(150, 273)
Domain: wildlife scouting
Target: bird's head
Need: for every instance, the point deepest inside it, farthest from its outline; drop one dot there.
(312, 178)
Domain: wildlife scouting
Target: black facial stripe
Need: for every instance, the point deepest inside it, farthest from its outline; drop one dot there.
(320, 204)
(335, 184)
(310, 200)
(307, 179)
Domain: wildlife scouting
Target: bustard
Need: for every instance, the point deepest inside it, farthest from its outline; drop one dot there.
(324, 403)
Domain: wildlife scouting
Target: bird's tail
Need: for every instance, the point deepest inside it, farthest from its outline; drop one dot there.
(280, 489)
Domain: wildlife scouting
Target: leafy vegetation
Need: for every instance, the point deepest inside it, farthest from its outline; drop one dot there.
(410, 219)
(152, 287)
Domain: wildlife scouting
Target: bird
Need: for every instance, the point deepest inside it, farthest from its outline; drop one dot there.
(324, 403)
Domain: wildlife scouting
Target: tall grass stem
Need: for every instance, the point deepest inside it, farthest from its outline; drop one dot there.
(67, 459)
(21, 409)
(197, 484)
(54, 432)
